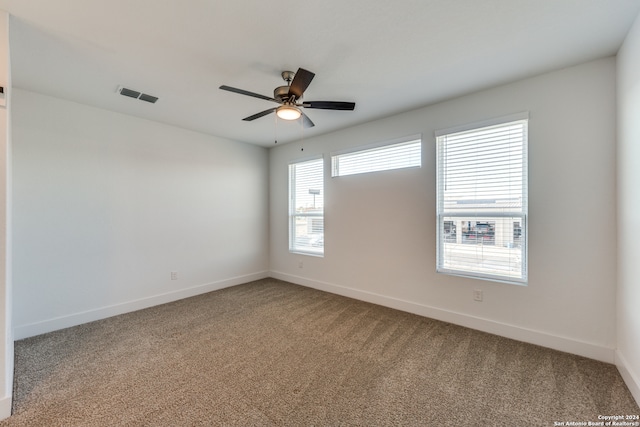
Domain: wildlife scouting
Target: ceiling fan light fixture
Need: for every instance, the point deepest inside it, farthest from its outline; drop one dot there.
(288, 112)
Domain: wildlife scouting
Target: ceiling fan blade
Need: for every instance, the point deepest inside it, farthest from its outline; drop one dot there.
(300, 82)
(246, 92)
(306, 121)
(330, 105)
(260, 114)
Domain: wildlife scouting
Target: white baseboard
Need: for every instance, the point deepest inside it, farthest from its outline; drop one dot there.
(37, 328)
(631, 379)
(5, 407)
(518, 333)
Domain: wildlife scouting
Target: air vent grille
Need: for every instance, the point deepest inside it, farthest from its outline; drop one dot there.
(138, 95)
(130, 93)
(148, 98)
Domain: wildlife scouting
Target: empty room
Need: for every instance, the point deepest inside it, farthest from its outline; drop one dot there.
(292, 213)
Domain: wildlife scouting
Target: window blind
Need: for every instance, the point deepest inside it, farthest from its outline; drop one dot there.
(306, 207)
(400, 155)
(482, 202)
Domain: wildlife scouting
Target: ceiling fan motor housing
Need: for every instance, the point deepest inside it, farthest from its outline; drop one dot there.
(281, 94)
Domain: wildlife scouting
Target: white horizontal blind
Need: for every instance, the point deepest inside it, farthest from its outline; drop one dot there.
(482, 202)
(406, 154)
(306, 207)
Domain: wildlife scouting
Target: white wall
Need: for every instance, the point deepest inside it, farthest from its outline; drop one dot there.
(107, 205)
(6, 334)
(628, 309)
(380, 229)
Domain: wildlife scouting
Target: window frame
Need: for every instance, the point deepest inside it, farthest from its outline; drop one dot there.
(484, 215)
(293, 215)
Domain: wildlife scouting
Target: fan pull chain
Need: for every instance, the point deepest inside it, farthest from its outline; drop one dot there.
(301, 133)
(275, 129)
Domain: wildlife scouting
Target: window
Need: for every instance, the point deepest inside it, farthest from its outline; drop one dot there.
(405, 153)
(482, 200)
(306, 207)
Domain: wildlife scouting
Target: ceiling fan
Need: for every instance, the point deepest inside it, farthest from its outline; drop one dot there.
(290, 98)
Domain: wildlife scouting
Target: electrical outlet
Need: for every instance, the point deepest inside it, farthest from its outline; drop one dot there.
(300, 264)
(477, 294)
(174, 275)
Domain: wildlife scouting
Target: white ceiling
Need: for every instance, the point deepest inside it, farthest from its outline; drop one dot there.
(387, 56)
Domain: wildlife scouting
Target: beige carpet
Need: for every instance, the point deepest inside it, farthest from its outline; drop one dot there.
(269, 353)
